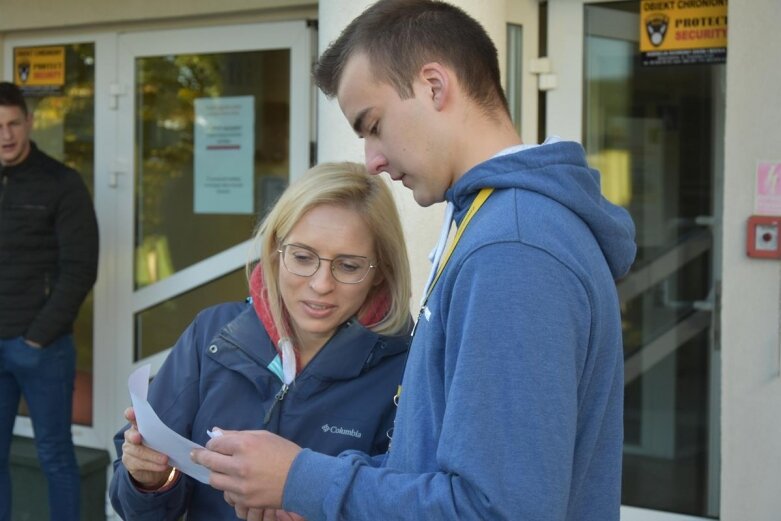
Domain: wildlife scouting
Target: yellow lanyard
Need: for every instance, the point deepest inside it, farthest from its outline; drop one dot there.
(473, 208)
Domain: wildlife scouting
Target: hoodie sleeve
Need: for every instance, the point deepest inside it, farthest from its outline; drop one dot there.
(510, 383)
(173, 394)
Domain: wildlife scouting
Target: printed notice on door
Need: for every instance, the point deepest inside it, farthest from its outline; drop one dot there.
(224, 146)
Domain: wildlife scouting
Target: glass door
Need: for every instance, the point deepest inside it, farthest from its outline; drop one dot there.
(70, 126)
(213, 122)
(655, 134)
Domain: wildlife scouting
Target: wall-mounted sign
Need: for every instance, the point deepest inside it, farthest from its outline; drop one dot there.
(767, 195)
(224, 147)
(39, 70)
(681, 32)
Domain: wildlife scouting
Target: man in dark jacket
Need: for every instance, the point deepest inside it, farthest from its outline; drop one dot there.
(48, 263)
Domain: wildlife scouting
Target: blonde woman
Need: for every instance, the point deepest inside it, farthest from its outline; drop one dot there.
(315, 355)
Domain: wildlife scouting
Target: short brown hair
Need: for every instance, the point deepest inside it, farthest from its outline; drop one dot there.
(11, 96)
(399, 36)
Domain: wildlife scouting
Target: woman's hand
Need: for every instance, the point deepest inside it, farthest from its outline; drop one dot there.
(148, 468)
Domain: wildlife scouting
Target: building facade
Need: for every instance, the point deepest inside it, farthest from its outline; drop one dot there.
(144, 97)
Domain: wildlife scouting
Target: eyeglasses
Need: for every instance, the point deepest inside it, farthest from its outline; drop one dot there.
(301, 261)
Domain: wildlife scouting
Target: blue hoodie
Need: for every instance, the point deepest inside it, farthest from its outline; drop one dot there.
(512, 395)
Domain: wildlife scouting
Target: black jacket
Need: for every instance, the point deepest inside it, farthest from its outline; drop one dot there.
(48, 248)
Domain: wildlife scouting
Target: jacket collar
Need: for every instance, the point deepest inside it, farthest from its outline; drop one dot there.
(29, 162)
(351, 350)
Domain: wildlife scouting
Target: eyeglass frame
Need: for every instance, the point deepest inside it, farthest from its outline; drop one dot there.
(281, 251)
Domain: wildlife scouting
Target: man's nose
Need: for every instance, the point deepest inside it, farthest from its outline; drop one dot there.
(375, 160)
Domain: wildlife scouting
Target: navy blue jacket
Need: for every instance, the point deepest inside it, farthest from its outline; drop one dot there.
(221, 373)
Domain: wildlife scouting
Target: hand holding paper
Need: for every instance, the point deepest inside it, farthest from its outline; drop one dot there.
(149, 468)
(156, 434)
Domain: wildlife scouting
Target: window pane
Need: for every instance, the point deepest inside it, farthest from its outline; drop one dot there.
(171, 233)
(515, 72)
(159, 327)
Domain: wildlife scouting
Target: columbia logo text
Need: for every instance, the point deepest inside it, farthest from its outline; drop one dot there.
(333, 429)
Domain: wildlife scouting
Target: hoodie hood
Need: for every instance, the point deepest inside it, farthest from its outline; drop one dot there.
(558, 171)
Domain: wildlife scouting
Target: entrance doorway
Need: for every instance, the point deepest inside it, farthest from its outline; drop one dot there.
(144, 116)
(213, 122)
(656, 134)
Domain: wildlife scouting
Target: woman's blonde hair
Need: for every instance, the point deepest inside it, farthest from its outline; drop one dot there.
(346, 185)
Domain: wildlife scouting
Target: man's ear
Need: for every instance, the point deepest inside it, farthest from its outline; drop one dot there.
(437, 81)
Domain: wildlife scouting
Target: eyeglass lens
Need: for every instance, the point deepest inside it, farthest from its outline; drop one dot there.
(302, 261)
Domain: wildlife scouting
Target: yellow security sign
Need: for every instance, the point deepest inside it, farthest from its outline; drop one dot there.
(683, 31)
(39, 67)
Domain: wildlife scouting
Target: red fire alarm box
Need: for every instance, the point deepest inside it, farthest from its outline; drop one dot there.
(762, 239)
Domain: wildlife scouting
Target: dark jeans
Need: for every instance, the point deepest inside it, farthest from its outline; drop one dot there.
(45, 378)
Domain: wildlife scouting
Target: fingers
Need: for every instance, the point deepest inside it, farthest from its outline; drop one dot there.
(144, 464)
(130, 415)
(132, 447)
(214, 461)
(135, 464)
(222, 473)
(242, 512)
(251, 465)
(227, 442)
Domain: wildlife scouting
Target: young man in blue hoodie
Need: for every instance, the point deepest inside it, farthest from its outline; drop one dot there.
(512, 395)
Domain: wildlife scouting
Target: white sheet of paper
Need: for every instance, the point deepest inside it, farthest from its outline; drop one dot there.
(156, 434)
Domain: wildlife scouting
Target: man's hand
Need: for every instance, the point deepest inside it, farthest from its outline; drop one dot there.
(260, 514)
(250, 467)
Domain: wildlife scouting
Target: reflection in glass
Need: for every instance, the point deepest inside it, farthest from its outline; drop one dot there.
(64, 128)
(170, 234)
(649, 131)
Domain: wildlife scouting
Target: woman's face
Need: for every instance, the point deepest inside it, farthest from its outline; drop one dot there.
(319, 304)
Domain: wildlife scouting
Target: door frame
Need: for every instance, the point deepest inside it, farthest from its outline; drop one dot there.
(94, 436)
(292, 35)
(565, 117)
(115, 301)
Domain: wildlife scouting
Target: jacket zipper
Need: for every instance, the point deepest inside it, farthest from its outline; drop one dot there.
(277, 399)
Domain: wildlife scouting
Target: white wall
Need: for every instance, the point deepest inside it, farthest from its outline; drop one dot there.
(751, 393)
(38, 14)
(526, 14)
(567, 24)
(337, 141)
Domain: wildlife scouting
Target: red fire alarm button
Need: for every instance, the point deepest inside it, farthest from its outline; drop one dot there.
(762, 237)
